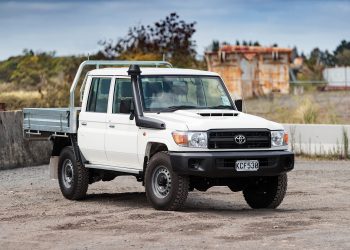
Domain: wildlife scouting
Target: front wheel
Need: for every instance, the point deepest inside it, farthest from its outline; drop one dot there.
(165, 189)
(73, 177)
(266, 192)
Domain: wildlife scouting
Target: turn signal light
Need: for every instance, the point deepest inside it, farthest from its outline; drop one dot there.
(285, 138)
(180, 138)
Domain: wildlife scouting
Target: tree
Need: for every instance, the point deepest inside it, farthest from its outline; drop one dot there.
(328, 59)
(214, 47)
(7, 67)
(171, 37)
(344, 45)
(256, 43)
(320, 58)
(343, 58)
(316, 62)
(33, 69)
(224, 43)
(342, 54)
(295, 53)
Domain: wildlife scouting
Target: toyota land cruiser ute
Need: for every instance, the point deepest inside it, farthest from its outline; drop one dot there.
(175, 130)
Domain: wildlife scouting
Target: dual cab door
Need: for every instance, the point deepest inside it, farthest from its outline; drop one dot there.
(106, 135)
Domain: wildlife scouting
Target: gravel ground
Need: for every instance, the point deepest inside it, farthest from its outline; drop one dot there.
(314, 215)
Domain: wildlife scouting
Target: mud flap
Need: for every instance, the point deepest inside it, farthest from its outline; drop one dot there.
(54, 167)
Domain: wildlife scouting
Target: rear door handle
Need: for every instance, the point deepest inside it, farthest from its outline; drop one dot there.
(84, 123)
(111, 126)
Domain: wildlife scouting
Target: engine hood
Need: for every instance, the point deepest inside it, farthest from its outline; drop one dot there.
(205, 119)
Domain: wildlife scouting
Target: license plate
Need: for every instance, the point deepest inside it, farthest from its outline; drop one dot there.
(247, 165)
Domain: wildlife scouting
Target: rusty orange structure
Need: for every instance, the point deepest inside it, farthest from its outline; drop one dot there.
(250, 71)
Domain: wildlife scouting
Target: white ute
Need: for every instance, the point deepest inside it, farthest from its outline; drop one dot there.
(175, 130)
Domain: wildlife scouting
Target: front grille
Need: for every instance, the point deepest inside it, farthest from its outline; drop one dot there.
(225, 139)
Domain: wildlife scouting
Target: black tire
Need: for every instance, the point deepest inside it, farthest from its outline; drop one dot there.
(73, 177)
(266, 192)
(165, 190)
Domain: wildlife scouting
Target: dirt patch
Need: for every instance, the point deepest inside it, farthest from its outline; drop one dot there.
(315, 214)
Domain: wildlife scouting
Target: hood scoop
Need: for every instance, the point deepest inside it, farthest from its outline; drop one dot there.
(218, 114)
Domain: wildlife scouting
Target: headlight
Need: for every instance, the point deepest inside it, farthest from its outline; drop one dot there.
(279, 138)
(191, 139)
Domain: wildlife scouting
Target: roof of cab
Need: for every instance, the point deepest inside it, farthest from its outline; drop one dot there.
(150, 71)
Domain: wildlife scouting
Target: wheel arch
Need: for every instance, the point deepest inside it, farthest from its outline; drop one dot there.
(152, 148)
(59, 143)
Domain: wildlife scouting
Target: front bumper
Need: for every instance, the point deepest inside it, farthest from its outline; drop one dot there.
(222, 164)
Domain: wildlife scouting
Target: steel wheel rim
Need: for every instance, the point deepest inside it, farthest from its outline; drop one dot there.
(161, 182)
(67, 173)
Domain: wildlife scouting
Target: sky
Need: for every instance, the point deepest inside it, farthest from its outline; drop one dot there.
(75, 27)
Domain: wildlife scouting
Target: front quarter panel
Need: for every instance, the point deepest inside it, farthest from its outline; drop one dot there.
(146, 136)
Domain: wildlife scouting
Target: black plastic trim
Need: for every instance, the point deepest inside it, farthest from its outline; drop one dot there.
(206, 164)
(148, 122)
(238, 130)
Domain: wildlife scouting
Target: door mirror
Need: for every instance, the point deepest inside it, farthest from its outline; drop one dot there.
(126, 106)
(239, 104)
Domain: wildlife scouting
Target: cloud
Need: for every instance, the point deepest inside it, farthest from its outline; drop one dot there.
(36, 6)
(74, 27)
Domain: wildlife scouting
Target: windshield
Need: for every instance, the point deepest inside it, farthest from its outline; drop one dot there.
(170, 93)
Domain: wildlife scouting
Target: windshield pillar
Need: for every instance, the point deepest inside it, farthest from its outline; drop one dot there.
(141, 121)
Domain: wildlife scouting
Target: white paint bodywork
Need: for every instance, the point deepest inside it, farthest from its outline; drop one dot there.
(115, 140)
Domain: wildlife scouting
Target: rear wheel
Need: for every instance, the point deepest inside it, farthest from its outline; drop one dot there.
(73, 177)
(266, 192)
(165, 189)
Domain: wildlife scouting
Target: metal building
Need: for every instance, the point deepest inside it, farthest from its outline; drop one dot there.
(250, 71)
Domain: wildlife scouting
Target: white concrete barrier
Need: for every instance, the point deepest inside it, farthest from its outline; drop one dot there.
(318, 139)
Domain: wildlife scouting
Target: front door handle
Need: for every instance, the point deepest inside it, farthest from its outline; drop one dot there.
(84, 123)
(111, 126)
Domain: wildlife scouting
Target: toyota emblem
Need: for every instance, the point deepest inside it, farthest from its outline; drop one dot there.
(240, 139)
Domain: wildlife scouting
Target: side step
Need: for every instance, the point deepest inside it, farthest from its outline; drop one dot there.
(114, 168)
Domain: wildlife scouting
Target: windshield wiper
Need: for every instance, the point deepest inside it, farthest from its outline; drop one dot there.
(220, 107)
(174, 108)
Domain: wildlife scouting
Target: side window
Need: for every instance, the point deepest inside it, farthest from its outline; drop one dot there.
(98, 96)
(122, 92)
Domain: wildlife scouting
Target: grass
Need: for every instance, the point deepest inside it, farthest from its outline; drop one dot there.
(54, 95)
(20, 99)
(21, 95)
(346, 144)
(307, 112)
(311, 107)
